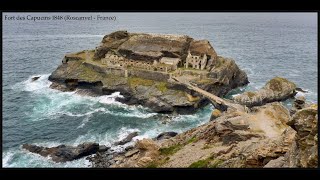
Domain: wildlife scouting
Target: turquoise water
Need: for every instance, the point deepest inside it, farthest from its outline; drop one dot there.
(264, 45)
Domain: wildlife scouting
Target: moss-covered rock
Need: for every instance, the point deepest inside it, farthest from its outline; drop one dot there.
(277, 89)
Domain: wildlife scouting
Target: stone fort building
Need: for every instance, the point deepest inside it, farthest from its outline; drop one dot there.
(164, 64)
(197, 62)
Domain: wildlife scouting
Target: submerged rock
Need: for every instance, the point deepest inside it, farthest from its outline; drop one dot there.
(166, 135)
(277, 89)
(63, 153)
(301, 90)
(35, 78)
(103, 148)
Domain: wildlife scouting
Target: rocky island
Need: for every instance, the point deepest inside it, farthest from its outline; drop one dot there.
(142, 66)
(177, 74)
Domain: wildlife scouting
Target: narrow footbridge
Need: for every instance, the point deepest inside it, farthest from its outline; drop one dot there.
(219, 103)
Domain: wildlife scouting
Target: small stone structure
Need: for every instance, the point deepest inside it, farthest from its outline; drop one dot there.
(197, 62)
(70, 57)
(164, 65)
(170, 61)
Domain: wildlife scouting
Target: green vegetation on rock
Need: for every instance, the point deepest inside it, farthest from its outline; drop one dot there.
(89, 74)
(275, 84)
(191, 140)
(200, 164)
(152, 165)
(170, 150)
(206, 163)
(215, 163)
(162, 86)
(135, 81)
(220, 61)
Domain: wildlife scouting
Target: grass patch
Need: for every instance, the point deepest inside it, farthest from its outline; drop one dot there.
(135, 81)
(206, 163)
(152, 165)
(201, 163)
(192, 140)
(162, 86)
(170, 150)
(158, 163)
(89, 74)
(215, 163)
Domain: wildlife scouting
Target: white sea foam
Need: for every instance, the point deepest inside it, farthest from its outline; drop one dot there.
(51, 103)
(110, 99)
(29, 85)
(7, 158)
(124, 132)
(87, 113)
(22, 158)
(84, 122)
(102, 139)
(300, 94)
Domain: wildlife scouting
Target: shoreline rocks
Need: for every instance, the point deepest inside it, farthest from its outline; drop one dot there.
(166, 135)
(303, 152)
(266, 137)
(126, 139)
(63, 153)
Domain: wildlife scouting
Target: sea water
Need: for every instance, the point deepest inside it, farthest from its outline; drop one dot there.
(264, 45)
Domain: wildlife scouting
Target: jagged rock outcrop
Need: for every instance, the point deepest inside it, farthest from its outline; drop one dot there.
(227, 74)
(148, 47)
(63, 153)
(234, 139)
(83, 70)
(303, 152)
(277, 89)
(298, 103)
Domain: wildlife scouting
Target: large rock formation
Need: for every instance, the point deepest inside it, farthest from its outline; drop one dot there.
(83, 70)
(260, 138)
(147, 47)
(265, 136)
(277, 89)
(303, 152)
(63, 153)
(235, 139)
